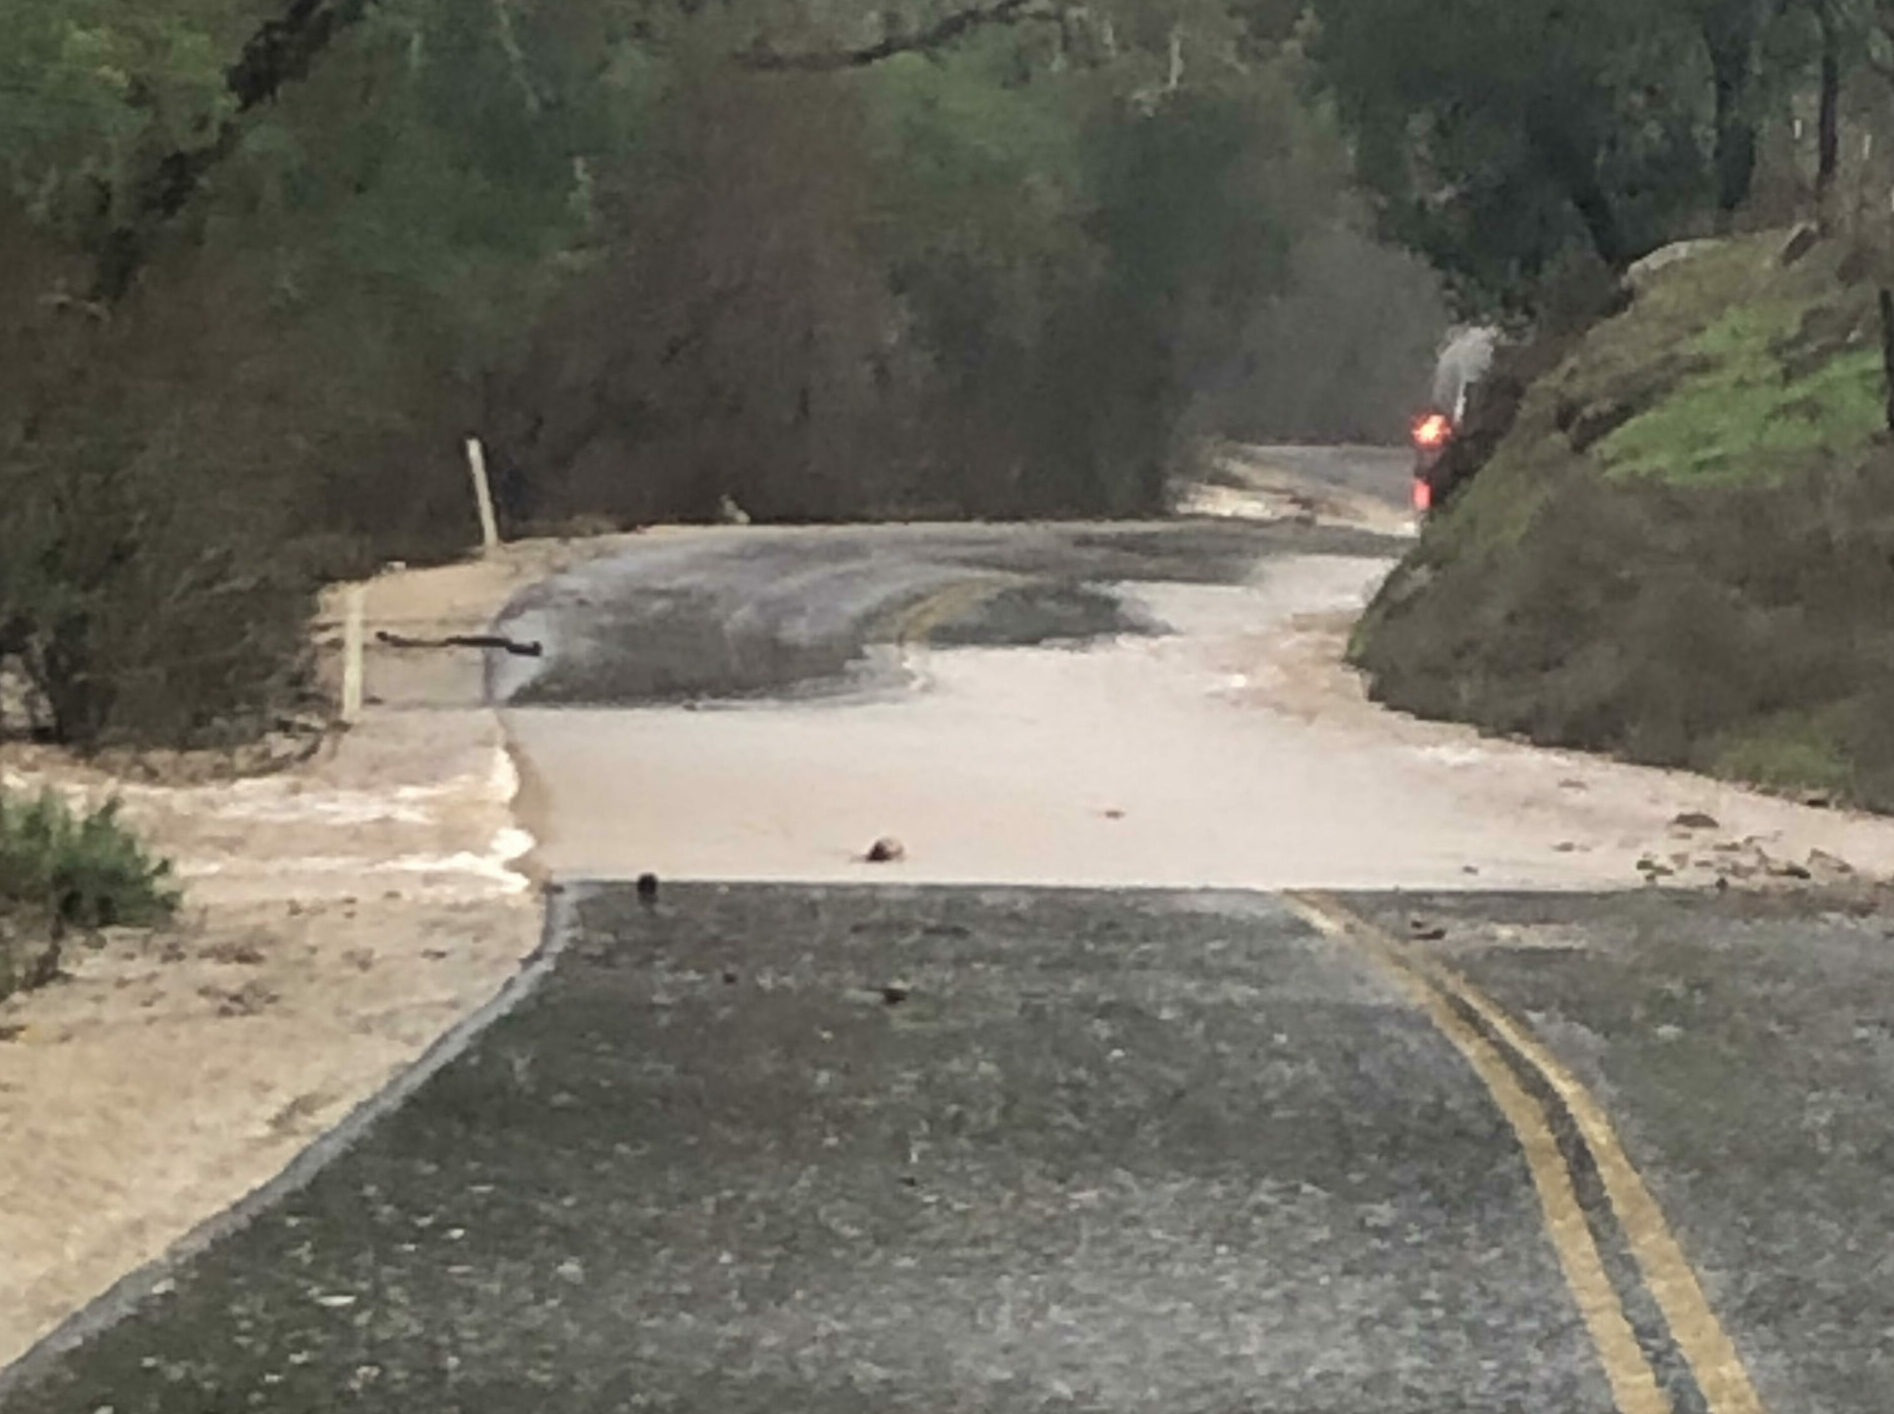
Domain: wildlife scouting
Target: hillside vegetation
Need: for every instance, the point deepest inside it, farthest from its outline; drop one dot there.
(1682, 551)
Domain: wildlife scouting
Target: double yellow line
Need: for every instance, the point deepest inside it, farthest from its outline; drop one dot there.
(1667, 1274)
(919, 621)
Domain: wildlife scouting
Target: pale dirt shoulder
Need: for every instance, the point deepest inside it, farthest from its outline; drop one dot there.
(1608, 824)
(340, 916)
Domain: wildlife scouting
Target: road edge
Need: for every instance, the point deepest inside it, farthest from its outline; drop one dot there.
(130, 1292)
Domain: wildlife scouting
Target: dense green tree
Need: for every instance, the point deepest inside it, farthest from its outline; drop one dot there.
(1495, 133)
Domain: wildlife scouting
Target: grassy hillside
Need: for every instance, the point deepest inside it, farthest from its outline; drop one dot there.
(1683, 551)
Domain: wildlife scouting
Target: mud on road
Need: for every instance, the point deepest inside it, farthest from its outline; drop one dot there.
(772, 613)
(1095, 706)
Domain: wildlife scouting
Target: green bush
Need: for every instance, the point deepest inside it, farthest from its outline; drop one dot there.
(61, 869)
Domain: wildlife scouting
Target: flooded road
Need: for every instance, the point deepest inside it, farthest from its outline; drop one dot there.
(1159, 705)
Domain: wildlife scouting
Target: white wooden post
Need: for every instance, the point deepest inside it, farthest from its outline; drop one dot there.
(352, 653)
(483, 496)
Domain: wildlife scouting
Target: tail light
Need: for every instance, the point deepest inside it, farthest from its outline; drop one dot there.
(1432, 431)
(1423, 495)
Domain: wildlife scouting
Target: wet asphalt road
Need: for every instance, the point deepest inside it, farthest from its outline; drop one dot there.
(1745, 1048)
(1381, 473)
(770, 611)
(1138, 1152)
(764, 1148)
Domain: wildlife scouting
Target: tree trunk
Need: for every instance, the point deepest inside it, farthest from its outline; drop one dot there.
(1887, 350)
(1735, 155)
(1729, 33)
(1574, 167)
(1828, 126)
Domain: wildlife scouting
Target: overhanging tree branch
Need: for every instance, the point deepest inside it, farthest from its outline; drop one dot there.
(935, 36)
(279, 53)
(284, 50)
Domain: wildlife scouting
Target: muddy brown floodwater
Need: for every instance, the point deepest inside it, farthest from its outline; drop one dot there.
(1234, 751)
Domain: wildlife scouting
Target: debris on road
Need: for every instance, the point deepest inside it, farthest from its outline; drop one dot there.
(1820, 861)
(248, 1000)
(533, 649)
(1746, 863)
(234, 952)
(886, 850)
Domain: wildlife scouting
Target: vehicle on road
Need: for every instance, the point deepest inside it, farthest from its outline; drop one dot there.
(1466, 356)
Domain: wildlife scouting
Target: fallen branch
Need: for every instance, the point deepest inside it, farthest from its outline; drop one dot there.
(533, 649)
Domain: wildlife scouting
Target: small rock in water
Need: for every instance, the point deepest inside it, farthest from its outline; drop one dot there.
(1695, 820)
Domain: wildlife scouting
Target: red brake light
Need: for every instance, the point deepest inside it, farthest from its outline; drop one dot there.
(1432, 430)
(1423, 495)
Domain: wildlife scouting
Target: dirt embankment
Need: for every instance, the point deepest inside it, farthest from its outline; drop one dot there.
(1682, 553)
(339, 917)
